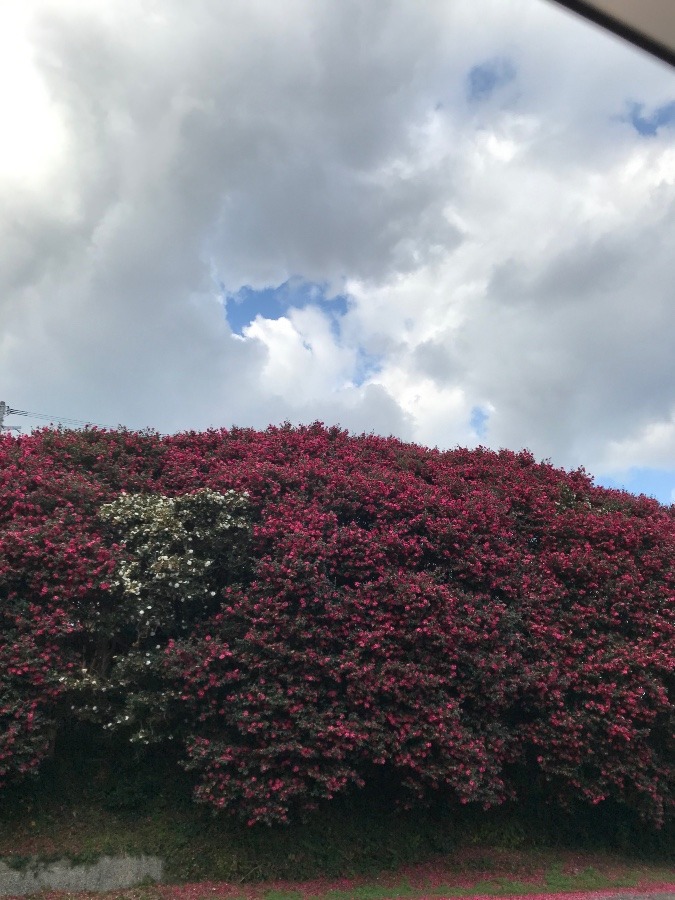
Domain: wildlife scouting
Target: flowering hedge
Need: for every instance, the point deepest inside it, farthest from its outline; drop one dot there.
(298, 608)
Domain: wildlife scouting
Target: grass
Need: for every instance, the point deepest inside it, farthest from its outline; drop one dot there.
(86, 805)
(422, 884)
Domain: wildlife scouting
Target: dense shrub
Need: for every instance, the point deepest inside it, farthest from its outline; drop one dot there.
(466, 621)
(175, 557)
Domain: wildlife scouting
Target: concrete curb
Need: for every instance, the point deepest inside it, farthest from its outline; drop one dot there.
(109, 873)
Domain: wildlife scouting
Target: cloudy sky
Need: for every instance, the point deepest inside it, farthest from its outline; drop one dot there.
(447, 220)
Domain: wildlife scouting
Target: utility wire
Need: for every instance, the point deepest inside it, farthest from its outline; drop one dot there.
(22, 412)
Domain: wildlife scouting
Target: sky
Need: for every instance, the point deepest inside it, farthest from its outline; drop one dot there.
(450, 221)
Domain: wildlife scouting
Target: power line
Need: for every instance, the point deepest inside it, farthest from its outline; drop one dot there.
(23, 412)
(8, 411)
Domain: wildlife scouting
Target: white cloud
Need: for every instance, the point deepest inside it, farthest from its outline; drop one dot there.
(303, 360)
(510, 252)
(651, 445)
(34, 136)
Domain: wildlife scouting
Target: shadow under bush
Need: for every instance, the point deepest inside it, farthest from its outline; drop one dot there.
(143, 799)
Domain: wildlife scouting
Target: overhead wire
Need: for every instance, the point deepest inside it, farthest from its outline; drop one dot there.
(60, 419)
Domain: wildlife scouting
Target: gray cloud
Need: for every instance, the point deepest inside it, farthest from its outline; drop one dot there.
(579, 352)
(511, 254)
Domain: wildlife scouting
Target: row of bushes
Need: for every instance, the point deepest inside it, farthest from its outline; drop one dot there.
(297, 608)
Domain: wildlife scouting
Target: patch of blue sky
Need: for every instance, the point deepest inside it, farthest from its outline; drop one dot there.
(242, 306)
(657, 483)
(367, 365)
(648, 124)
(484, 79)
(478, 421)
